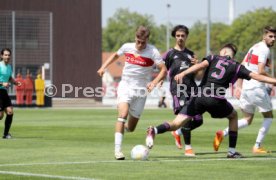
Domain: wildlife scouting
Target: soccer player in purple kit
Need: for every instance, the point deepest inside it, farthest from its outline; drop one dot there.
(177, 60)
(221, 70)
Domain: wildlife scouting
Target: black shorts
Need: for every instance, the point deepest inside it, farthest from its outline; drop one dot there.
(182, 106)
(217, 107)
(5, 100)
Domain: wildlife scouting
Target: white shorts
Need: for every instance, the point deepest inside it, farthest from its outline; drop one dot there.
(135, 97)
(257, 97)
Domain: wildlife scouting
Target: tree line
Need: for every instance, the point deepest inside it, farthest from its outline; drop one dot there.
(245, 31)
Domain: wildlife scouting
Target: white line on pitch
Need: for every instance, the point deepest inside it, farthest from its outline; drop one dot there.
(42, 175)
(150, 161)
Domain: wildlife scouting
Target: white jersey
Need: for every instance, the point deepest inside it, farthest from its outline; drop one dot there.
(138, 64)
(259, 53)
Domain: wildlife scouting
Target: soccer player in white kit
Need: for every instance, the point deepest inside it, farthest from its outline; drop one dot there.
(135, 83)
(254, 93)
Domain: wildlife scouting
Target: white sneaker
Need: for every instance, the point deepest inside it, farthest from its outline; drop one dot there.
(7, 136)
(119, 156)
(189, 153)
(150, 137)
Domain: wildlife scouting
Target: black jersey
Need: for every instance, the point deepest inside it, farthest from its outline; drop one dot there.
(177, 61)
(223, 71)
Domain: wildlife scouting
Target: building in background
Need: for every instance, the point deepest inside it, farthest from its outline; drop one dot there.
(61, 36)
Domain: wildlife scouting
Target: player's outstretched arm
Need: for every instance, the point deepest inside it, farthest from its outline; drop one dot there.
(262, 78)
(238, 88)
(261, 69)
(110, 60)
(162, 74)
(194, 68)
(194, 60)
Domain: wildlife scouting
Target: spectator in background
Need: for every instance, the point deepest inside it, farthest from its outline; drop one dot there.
(162, 95)
(39, 89)
(20, 90)
(29, 89)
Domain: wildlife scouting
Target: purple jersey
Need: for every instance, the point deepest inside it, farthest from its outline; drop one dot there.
(176, 62)
(223, 71)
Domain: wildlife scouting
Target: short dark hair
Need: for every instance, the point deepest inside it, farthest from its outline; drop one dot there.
(268, 29)
(5, 49)
(142, 32)
(231, 46)
(180, 27)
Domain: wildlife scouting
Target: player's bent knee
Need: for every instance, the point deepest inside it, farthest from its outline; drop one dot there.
(132, 123)
(10, 113)
(233, 115)
(249, 122)
(198, 123)
(131, 130)
(268, 114)
(249, 119)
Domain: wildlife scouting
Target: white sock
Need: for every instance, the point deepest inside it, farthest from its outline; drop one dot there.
(178, 132)
(118, 141)
(188, 147)
(263, 131)
(257, 145)
(226, 131)
(155, 130)
(242, 123)
(231, 150)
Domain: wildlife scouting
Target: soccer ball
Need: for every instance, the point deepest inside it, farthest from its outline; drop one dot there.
(139, 152)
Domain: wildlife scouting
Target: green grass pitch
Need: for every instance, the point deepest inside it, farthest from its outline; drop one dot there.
(78, 144)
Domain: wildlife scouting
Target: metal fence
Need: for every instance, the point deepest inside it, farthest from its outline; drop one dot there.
(29, 35)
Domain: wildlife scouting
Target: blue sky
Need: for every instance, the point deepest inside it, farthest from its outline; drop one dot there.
(183, 11)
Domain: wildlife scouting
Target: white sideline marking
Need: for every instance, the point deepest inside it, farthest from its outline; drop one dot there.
(150, 161)
(42, 175)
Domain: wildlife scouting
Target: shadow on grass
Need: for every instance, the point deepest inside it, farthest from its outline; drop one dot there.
(29, 137)
(212, 155)
(208, 153)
